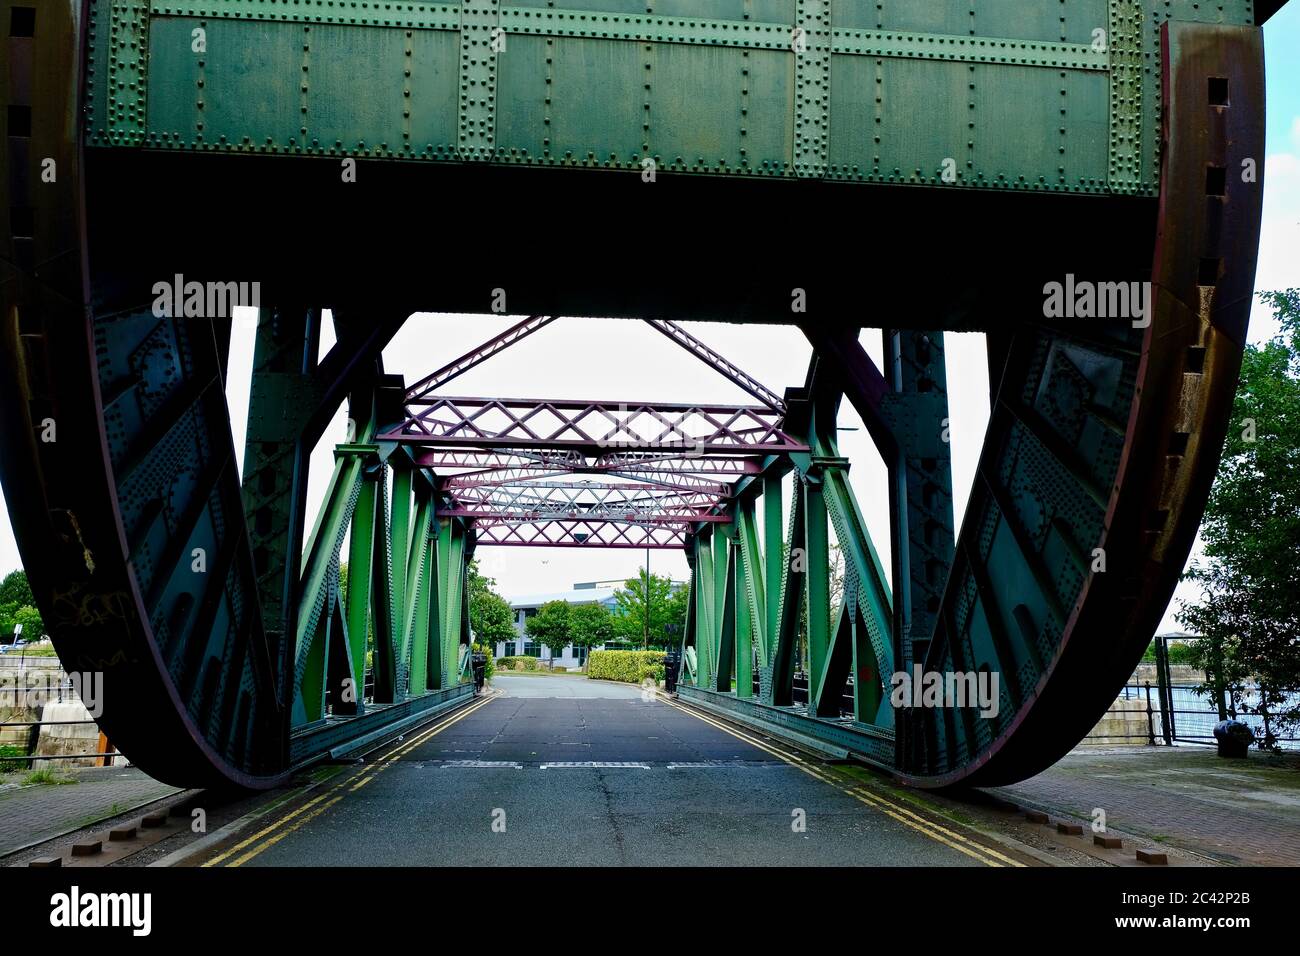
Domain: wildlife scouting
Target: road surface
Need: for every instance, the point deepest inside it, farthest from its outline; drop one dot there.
(568, 771)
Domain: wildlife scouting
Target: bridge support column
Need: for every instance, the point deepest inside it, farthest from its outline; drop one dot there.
(275, 471)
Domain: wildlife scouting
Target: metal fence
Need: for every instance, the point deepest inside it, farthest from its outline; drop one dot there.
(1178, 712)
(53, 686)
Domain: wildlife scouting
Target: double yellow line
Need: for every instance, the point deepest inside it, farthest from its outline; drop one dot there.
(246, 849)
(931, 829)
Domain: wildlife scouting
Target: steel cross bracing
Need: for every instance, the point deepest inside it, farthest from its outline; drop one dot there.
(568, 473)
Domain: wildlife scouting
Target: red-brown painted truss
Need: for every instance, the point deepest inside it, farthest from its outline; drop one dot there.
(595, 428)
(568, 473)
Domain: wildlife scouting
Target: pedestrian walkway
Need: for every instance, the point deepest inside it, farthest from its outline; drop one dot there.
(1239, 812)
(39, 812)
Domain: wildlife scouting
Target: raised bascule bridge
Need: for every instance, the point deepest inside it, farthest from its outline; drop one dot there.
(913, 167)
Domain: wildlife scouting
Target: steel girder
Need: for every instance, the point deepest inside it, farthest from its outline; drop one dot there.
(593, 427)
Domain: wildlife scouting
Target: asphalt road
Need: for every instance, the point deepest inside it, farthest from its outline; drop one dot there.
(567, 771)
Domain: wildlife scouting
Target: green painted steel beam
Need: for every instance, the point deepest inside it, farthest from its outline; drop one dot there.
(275, 473)
(773, 559)
(399, 564)
(1042, 96)
(381, 567)
(920, 491)
(744, 624)
(816, 545)
(319, 587)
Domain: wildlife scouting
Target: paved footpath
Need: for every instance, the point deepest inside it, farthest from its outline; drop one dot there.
(1240, 812)
(567, 771)
(39, 812)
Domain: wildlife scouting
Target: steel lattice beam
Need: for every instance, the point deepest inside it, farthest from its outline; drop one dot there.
(594, 427)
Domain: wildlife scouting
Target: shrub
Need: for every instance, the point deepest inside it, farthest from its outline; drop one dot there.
(12, 766)
(530, 663)
(630, 667)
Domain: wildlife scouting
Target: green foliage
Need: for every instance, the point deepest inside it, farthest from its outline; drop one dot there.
(12, 613)
(1249, 613)
(666, 606)
(46, 777)
(15, 590)
(1179, 653)
(490, 616)
(590, 625)
(630, 667)
(551, 626)
(12, 766)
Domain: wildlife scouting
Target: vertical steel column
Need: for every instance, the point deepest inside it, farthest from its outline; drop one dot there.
(419, 598)
(750, 598)
(452, 574)
(399, 557)
(704, 603)
(920, 490)
(382, 596)
(275, 472)
(719, 643)
(779, 684)
(361, 548)
(816, 545)
(727, 642)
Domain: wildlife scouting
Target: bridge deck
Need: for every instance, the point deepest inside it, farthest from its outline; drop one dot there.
(586, 774)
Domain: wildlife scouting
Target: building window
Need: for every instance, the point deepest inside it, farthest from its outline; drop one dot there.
(533, 649)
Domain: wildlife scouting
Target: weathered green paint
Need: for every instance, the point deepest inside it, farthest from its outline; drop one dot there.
(816, 554)
(319, 588)
(419, 585)
(381, 567)
(400, 538)
(361, 548)
(744, 625)
(1057, 96)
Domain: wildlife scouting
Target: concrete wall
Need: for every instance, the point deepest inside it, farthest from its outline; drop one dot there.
(60, 738)
(24, 691)
(1125, 725)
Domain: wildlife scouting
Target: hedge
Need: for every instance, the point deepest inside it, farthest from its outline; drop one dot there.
(520, 663)
(630, 667)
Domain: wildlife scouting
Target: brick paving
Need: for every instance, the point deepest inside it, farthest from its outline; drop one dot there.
(1240, 812)
(46, 810)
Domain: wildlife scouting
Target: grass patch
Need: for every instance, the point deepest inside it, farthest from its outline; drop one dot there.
(12, 766)
(46, 777)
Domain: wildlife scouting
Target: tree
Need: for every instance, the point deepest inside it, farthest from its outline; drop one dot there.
(1249, 614)
(18, 606)
(590, 625)
(490, 615)
(551, 626)
(30, 619)
(663, 609)
(14, 589)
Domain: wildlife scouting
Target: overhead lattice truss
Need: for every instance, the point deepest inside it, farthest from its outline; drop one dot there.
(566, 473)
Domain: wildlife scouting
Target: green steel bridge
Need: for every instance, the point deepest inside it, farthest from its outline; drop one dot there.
(913, 167)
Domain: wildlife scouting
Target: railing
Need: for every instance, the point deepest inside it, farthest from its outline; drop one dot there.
(1179, 713)
(60, 688)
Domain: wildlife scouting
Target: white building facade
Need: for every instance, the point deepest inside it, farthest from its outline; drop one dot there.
(526, 606)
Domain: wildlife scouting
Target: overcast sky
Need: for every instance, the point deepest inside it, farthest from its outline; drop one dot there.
(620, 359)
